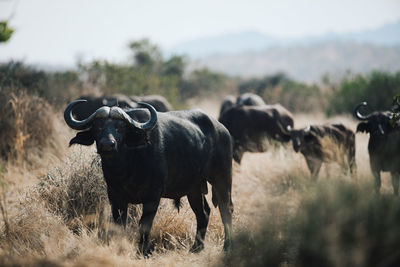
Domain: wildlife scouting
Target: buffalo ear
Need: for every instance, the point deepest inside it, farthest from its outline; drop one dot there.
(363, 127)
(285, 138)
(308, 137)
(82, 138)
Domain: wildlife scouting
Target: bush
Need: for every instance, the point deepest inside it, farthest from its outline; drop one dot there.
(32, 230)
(76, 189)
(16, 75)
(339, 224)
(26, 126)
(376, 88)
(202, 82)
(55, 87)
(278, 88)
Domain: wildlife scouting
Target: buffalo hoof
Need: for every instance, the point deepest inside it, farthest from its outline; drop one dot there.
(197, 247)
(227, 245)
(145, 252)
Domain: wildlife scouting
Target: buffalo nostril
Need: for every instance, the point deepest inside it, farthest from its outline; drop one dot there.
(108, 145)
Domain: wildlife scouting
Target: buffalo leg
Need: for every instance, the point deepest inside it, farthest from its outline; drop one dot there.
(395, 182)
(314, 165)
(119, 209)
(224, 202)
(200, 207)
(119, 212)
(352, 160)
(377, 180)
(238, 154)
(146, 221)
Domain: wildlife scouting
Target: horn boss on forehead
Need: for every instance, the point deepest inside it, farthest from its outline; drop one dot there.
(119, 113)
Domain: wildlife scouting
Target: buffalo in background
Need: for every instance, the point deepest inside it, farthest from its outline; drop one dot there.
(246, 99)
(93, 103)
(249, 99)
(383, 144)
(325, 143)
(228, 102)
(252, 127)
(157, 101)
(147, 155)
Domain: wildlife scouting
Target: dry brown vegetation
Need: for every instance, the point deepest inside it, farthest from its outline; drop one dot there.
(61, 217)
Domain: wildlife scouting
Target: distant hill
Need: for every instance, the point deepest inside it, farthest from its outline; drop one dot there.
(307, 62)
(225, 44)
(387, 35)
(307, 59)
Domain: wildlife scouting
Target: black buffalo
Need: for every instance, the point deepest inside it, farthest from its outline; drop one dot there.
(383, 145)
(228, 102)
(251, 127)
(147, 155)
(93, 103)
(157, 101)
(249, 99)
(246, 99)
(325, 143)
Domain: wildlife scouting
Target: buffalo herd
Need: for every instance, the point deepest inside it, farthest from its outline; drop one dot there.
(149, 152)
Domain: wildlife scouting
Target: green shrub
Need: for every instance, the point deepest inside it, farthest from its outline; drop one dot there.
(376, 88)
(278, 88)
(56, 88)
(202, 82)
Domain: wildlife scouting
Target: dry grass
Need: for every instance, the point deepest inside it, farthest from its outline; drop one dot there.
(32, 136)
(64, 218)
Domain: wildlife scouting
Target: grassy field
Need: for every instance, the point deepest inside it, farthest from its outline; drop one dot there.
(57, 214)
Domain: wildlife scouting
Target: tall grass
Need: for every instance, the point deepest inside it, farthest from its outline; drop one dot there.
(336, 224)
(27, 128)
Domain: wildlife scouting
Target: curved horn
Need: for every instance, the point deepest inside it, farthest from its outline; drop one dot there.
(358, 114)
(86, 123)
(145, 126)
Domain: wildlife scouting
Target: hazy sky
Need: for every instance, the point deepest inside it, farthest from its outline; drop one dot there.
(59, 31)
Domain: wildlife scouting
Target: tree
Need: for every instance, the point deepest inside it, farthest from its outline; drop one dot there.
(145, 54)
(174, 66)
(5, 31)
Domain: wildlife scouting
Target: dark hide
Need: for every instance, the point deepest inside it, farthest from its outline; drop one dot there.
(309, 142)
(252, 126)
(184, 151)
(157, 101)
(227, 103)
(249, 99)
(93, 103)
(246, 99)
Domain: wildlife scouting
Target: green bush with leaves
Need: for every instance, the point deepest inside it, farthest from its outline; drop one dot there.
(201, 82)
(56, 88)
(278, 88)
(376, 88)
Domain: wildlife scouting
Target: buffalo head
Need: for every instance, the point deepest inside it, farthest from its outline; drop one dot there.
(376, 123)
(300, 137)
(111, 128)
